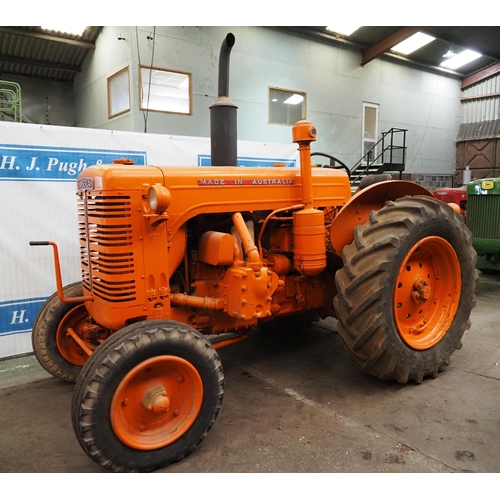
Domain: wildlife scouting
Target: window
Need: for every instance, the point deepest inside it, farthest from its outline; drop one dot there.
(118, 93)
(165, 90)
(286, 107)
(370, 129)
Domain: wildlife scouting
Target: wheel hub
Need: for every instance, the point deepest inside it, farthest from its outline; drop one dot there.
(421, 291)
(76, 320)
(156, 402)
(427, 293)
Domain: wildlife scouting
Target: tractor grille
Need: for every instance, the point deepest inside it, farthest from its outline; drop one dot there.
(106, 247)
(483, 216)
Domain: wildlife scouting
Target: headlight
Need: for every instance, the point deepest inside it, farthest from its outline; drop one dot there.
(159, 198)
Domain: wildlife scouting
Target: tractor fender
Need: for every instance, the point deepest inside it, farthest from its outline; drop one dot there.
(357, 209)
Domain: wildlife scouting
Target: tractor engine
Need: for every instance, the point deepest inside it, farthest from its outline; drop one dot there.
(219, 248)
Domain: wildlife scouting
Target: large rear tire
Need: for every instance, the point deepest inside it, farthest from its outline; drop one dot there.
(58, 354)
(147, 397)
(406, 291)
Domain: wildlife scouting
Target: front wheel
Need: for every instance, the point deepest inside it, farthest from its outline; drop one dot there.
(148, 396)
(57, 352)
(406, 291)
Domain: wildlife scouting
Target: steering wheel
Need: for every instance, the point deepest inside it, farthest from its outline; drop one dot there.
(342, 164)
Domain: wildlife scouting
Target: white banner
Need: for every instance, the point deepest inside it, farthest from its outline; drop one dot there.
(38, 168)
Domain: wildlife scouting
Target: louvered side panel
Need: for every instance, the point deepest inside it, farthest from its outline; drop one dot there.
(106, 247)
(483, 216)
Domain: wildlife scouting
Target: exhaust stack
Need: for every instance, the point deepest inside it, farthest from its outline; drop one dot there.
(223, 127)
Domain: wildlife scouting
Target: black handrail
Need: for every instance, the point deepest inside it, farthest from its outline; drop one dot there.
(382, 155)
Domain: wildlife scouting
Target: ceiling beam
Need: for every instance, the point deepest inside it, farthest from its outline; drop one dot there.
(480, 75)
(477, 97)
(387, 43)
(44, 36)
(44, 64)
(392, 56)
(330, 39)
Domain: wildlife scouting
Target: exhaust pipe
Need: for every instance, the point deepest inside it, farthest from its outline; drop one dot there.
(223, 129)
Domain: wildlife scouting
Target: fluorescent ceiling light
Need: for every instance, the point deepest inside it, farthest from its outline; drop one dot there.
(450, 53)
(346, 29)
(294, 99)
(70, 30)
(413, 43)
(461, 59)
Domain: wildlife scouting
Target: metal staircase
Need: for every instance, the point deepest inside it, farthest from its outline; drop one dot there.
(392, 157)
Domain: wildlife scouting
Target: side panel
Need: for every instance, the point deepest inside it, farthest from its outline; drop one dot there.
(124, 253)
(235, 189)
(483, 218)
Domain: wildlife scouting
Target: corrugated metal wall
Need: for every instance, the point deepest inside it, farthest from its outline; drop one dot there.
(481, 117)
(32, 55)
(478, 139)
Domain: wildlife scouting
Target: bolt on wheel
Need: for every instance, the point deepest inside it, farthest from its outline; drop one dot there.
(148, 396)
(406, 291)
(70, 350)
(58, 353)
(427, 293)
(156, 402)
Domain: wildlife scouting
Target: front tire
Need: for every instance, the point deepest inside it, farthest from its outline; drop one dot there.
(58, 354)
(148, 396)
(406, 291)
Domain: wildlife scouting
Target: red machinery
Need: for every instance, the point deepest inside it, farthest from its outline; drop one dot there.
(453, 195)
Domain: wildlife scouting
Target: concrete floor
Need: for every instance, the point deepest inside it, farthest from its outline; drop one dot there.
(297, 404)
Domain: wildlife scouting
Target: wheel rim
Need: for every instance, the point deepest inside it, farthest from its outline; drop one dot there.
(427, 293)
(156, 402)
(69, 349)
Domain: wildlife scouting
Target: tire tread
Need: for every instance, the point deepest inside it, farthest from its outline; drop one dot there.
(108, 362)
(363, 298)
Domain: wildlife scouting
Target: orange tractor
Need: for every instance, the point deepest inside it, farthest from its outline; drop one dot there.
(177, 262)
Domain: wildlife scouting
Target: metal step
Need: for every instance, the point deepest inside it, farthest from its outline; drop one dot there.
(380, 168)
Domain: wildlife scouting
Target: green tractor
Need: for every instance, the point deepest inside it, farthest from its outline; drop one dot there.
(483, 220)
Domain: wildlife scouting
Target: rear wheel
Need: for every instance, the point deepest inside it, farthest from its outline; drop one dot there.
(406, 290)
(148, 396)
(56, 351)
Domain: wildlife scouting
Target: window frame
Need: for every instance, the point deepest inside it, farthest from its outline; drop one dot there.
(108, 81)
(375, 106)
(168, 70)
(304, 104)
